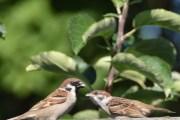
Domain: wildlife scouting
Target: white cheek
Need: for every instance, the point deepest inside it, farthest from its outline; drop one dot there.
(94, 100)
(68, 86)
(105, 101)
(71, 88)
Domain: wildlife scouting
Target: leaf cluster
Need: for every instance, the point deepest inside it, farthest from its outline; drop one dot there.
(145, 60)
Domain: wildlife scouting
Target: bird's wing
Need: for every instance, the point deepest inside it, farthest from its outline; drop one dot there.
(124, 107)
(57, 97)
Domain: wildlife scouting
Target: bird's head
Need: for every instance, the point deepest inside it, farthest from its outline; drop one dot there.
(72, 84)
(98, 96)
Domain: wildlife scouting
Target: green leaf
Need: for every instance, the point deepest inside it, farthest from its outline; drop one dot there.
(145, 95)
(134, 76)
(155, 47)
(103, 114)
(118, 3)
(101, 67)
(104, 28)
(158, 17)
(135, 2)
(153, 68)
(160, 69)
(56, 62)
(176, 76)
(66, 117)
(125, 61)
(131, 90)
(176, 86)
(111, 15)
(86, 114)
(2, 31)
(82, 65)
(77, 27)
(53, 61)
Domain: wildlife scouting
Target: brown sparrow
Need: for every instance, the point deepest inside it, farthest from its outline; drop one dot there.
(56, 104)
(116, 106)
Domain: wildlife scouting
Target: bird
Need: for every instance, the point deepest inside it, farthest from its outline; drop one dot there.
(117, 106)
(56, 104)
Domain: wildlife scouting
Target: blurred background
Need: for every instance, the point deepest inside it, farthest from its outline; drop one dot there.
(34, 26)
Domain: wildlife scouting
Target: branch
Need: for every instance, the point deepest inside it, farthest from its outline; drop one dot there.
(129, 33)
(121, 22)
(120, 40)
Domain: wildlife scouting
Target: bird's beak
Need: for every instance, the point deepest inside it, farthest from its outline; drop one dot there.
(89, 95)
(81, 85)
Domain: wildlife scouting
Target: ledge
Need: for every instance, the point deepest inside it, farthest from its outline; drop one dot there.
(150, 118)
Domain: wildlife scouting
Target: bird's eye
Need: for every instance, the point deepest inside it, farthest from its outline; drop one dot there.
(72, 83)
(95, 93)
(101, 97)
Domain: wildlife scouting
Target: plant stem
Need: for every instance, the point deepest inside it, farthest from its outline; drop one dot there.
(129, 33)
(121, 22)
(120, 40)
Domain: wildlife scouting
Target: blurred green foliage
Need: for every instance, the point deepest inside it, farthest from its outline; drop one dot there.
(34, 26)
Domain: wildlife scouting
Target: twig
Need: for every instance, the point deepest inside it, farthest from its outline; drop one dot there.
(109, 82)
(120, 40)
(129, 33)
(121, 22)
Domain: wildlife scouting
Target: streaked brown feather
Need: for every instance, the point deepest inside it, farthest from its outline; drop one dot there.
(124, 107)
(57, 97)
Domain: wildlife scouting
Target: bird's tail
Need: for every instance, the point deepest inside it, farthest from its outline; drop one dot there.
(162, 110)
(14, 118)
(22, 117)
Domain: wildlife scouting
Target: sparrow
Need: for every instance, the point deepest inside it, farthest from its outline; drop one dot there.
(117, 106)
(55, 105)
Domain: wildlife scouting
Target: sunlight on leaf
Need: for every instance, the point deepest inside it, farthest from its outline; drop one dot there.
(160, 69)
(111, 15)
(104, 28)
(87, 114)
(153, 68)
(53, 61)
(176, 75)
(154, 47)
(176, 86)
(158, 17)
(118, 3)
(77, 27)
(82, 65)
(101, 67)
(131, 90)
(56, 62)
(134, 76)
